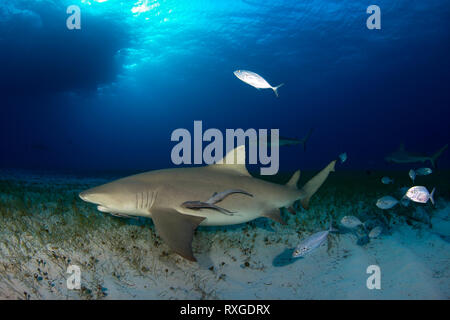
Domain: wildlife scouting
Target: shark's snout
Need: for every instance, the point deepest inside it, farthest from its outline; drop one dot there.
(83, 195)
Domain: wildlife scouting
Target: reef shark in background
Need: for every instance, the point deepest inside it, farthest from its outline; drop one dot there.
(283, 141)
(403, 156)
(160, 195)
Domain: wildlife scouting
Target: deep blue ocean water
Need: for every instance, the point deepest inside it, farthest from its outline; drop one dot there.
(108, 96)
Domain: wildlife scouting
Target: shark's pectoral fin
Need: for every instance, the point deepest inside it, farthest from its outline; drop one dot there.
(274, 215)
(177, 230)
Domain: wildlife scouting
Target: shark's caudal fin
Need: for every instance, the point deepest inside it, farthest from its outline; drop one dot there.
(294, 180)
(314, 184)
(306, 138)
(275, 89)
(437, 155)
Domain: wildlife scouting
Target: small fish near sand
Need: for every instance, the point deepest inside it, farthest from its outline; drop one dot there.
(351, 222)
(312, 242)
(412, 175)
(255, 80)
(375, 232)
(386, 202)
(343, 157)
(424, 171)
(387, 180)
(420, 194)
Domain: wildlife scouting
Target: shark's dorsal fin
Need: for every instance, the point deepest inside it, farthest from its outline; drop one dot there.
(294, 180)
(401, 147)
(234, 160)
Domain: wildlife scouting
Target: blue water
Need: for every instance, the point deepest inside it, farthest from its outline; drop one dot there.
(108, 96)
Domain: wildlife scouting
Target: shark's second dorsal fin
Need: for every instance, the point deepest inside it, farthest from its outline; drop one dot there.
(234, 160)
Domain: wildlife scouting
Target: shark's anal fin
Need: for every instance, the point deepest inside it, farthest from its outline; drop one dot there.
(177, 230)
(274, 215)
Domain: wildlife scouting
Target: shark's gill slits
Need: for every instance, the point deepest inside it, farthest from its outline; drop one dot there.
(145, 200)
(153, 199)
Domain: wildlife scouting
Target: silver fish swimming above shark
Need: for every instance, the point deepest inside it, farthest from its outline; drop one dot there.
(255, 80)
(160, 195)
(403, 156)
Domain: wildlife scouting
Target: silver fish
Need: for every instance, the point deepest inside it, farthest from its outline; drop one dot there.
(412, 175)
(423, 171)
(387, 180)
(420, 194)
(255, 80)
(312, 242)
(343, 157)
(375, 232)
(386, 202)
(351, 222)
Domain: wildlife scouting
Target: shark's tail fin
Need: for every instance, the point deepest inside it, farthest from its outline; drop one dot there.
(275, 89)
(437, 155)
(314, 184)
(306, 138)
(294, 180)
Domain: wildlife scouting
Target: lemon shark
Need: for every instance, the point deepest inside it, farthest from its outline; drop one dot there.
(403, 156)
(165, 195)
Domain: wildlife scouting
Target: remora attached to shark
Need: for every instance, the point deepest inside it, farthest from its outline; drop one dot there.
(403, 156)
(160, 195)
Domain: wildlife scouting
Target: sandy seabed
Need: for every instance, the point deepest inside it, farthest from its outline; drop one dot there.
(45, 227)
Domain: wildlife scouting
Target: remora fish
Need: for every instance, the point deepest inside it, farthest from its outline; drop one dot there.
(255, 80)
(160, 194)
(284, 141)
(403, 156)
(312, 242)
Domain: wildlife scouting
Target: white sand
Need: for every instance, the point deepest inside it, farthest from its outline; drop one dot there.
(414, 263)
